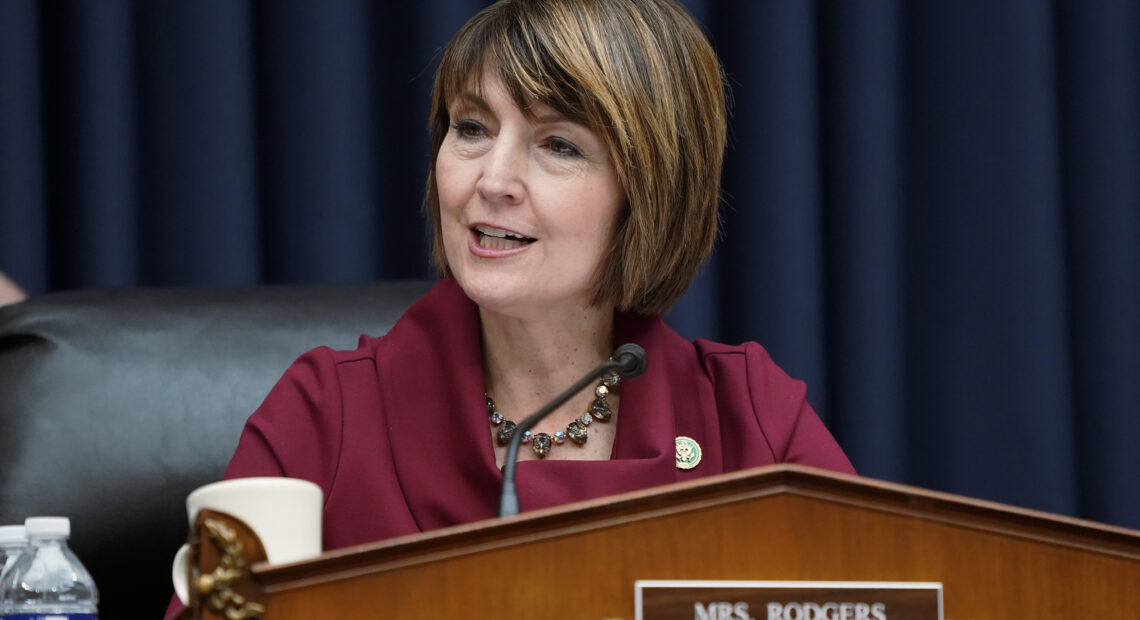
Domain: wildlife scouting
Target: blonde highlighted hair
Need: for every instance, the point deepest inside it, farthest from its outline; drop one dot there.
(641, 75)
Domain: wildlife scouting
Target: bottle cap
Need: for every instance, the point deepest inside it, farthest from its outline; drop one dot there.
(47, 526)
(12, 534)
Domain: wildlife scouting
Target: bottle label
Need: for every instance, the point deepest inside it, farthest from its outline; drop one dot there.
(50, 617)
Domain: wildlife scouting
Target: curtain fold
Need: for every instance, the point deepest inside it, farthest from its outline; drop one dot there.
(24, 239)
(985, 279)
(317, 114)
(1099, 92)
(931, 209)
(863, 243)
(88, 86)
(197, 143)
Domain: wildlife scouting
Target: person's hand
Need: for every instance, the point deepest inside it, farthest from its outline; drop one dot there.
(10, 293)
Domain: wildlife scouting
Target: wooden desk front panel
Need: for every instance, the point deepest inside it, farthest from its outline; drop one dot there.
(583, 571)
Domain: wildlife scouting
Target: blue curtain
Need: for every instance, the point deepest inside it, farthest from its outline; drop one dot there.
(932, 209)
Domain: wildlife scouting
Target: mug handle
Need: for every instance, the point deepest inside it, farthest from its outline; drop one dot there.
(180, 574)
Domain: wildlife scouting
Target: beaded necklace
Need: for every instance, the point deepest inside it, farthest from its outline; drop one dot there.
(541, 443)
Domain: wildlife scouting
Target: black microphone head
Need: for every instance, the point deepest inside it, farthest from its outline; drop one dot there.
(633, 360)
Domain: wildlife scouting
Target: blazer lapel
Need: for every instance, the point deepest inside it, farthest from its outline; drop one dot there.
(431, 367)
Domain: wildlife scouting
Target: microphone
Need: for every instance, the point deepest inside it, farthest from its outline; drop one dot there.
(629, 360)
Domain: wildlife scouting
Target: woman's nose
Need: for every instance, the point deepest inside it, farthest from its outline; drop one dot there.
(503, 169)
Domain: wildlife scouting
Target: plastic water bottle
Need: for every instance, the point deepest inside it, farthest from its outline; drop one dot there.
(12, 544)
(47, 581)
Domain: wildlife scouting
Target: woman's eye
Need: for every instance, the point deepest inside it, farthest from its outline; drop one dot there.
(469, 130)
(562, 147)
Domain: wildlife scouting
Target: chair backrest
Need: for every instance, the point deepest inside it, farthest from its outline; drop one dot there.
(114, 405)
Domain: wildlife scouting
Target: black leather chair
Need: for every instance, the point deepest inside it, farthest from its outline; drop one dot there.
(114, 405)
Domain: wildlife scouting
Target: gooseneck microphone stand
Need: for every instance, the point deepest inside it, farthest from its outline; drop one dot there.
(629, 360)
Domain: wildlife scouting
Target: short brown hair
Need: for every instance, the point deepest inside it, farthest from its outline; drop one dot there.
(641, 74)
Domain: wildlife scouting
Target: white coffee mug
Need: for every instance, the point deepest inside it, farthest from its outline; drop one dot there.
(285, 513)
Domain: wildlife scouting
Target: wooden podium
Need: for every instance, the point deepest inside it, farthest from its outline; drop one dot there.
(782, 522)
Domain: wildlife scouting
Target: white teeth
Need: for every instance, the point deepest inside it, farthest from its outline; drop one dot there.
(498, 232)
(491, 232)
(498, 243)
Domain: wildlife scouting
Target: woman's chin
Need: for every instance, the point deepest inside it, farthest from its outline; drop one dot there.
(501, 298)
(517, 299)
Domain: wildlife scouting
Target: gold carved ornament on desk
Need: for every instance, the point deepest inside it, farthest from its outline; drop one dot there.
(223, 548)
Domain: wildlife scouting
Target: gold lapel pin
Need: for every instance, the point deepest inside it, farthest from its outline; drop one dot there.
(688, 453)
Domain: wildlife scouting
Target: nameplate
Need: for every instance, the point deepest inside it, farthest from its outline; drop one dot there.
(787, 600)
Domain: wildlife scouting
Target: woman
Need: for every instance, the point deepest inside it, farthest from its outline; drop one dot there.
(573, 188)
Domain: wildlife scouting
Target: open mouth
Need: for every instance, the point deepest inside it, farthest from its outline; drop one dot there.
(499, 239)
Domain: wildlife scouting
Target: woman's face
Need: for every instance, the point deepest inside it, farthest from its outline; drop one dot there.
(527, 205)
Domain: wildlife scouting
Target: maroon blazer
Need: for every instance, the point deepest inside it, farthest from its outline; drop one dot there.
(396, 432)
(397, 436)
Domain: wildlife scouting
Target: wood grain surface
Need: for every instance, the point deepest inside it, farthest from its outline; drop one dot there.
(773, 523)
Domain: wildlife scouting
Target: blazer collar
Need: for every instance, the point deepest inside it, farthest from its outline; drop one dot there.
(431, 380)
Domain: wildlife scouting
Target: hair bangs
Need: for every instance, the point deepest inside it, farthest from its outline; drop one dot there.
(514, 47)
